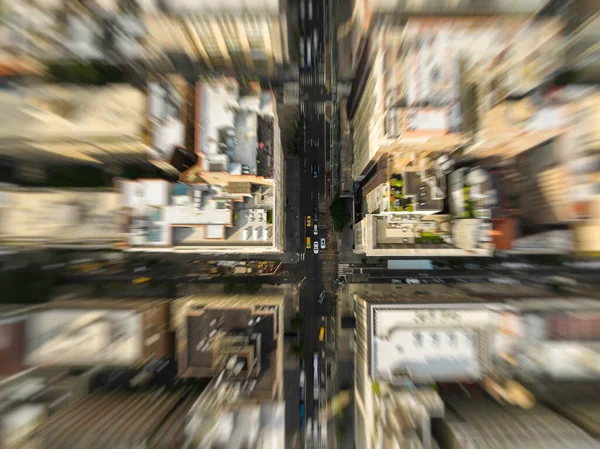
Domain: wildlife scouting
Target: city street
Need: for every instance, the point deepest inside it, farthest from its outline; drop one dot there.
(314, 198)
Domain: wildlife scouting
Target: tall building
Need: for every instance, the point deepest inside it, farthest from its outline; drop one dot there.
(242, 335)
(417, 87)
(231, 199)
(415, 204)
(410, 337)
(249, 36)
(59, 218)
(223, 417)
(441, 336)
(238, 342)
(364, 16)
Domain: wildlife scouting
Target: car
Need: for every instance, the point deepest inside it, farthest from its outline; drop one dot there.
(315, 171)
(396, 281)
(308, 221)
(307, 242)
(302, 379)
(316, 376)
(302, 51)
(141, 280)
(321, 297)
(315, 229)
(323, 245)
(309, 9)
(302, 10)
(316, 214)
(321, 333)
(412, 281)
(308, 56)
(316, 247)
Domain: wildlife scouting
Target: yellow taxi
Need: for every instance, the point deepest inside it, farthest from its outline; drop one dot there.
(308, 221)
(321, 333)
(141, 280)
(308, 243)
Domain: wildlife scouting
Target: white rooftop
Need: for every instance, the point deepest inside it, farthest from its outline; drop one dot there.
(430, 343)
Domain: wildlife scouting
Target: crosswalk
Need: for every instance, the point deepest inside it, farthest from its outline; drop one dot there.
(344, 269)
(309, 107)
(312, 78)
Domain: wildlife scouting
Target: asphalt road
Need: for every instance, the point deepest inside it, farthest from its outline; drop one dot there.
(313, 97)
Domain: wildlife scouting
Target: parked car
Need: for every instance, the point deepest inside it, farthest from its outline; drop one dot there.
(323, 245)
(322, 297)
(316, 376)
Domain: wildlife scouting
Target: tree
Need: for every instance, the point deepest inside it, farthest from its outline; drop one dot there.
(298, 350)
(297, 322)
(339, 214)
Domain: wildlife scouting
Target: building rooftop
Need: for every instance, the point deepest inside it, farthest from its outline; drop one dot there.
(216, 211)
(483, 423)
(73, 122)
(155, 419)
(221, 419)
(230, 199)
(59, 217)
(235, 128)
(96, 330)
(243, 334)
(406, 202)
(165, 103)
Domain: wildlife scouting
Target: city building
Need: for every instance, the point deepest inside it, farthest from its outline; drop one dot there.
(427, 84)
(546, 177)
(238, 342)
(98, 331)
(241, 336)
(431, 336)
(13, 319)
(553, 339)
(587, 231)
(230, 201)
(406, 203)
(365, 15)
(582, 20)
(59, 31)
(507, 340)
(250, 37)
(223, 418)
(152, 418)
(59, 218)
(73, 124)
(169, 118)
